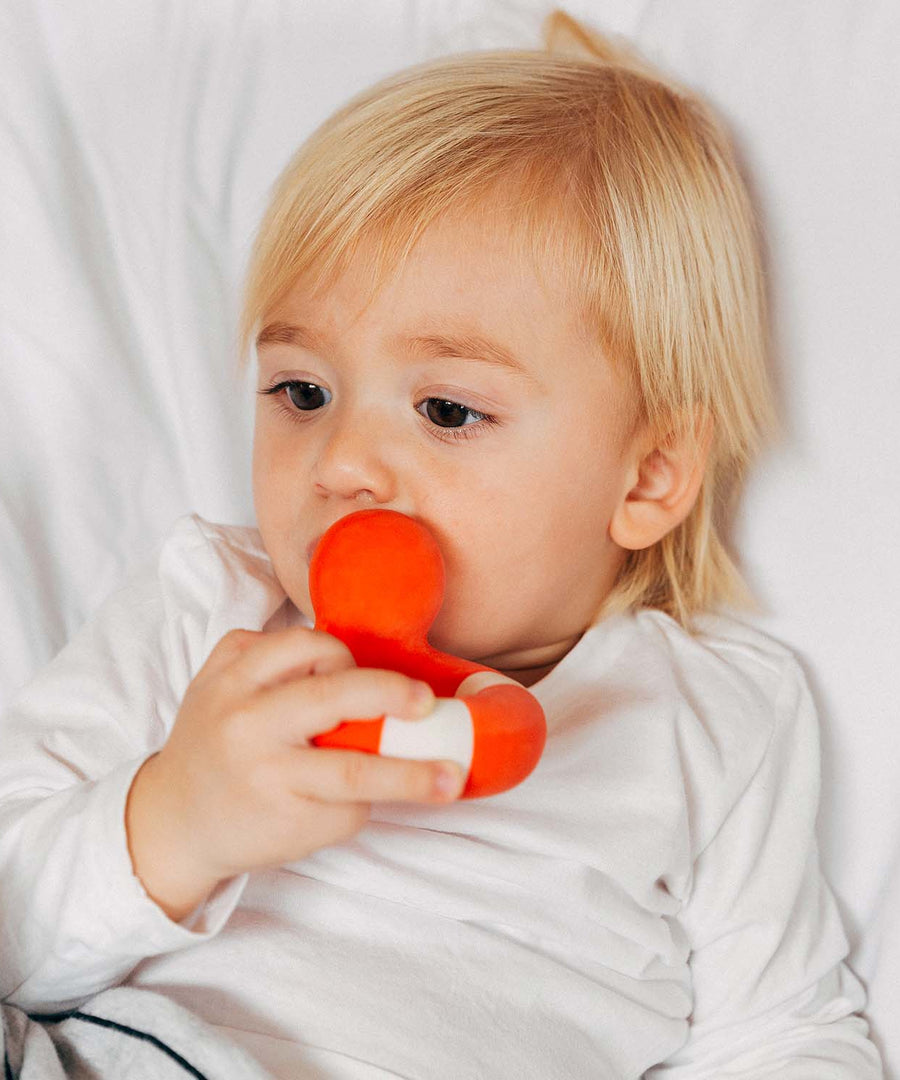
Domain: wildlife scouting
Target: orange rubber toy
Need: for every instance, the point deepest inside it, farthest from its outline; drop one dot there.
(376, 581)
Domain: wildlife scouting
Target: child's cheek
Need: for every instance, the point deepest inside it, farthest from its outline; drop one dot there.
(465, 625)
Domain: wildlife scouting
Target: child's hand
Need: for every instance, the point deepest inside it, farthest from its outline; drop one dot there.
(238, 787)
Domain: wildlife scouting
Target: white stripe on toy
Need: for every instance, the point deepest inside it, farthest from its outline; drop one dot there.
(446, 734)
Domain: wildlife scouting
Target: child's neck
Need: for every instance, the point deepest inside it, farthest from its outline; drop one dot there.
(529, 676)
(532, 667)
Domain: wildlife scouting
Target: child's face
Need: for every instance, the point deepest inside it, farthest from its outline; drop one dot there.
(520, 507)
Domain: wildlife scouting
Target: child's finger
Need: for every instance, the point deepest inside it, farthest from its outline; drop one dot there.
(296, 710)
(344, 776)
(254, 659)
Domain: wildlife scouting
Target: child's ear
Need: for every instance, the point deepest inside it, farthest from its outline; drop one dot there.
(663, 486)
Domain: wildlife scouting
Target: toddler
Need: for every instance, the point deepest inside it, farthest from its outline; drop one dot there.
(515, 295)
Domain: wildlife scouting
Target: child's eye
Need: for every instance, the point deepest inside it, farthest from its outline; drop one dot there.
(302, 395)
(445, 414)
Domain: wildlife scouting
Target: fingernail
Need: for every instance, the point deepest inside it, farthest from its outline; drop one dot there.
(423, 698)
(448, 782)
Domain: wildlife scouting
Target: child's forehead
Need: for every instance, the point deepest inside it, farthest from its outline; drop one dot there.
(416, 321)
(454, 279)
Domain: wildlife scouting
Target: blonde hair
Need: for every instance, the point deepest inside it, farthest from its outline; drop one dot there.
(610, 174)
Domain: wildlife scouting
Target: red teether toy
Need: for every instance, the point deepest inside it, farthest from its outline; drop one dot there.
(377, 583)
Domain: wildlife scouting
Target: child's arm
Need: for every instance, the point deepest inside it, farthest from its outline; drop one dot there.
(772, 996)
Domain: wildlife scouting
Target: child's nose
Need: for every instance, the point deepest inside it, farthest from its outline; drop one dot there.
(354, 458)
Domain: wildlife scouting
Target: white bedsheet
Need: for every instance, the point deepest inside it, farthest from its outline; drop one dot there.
(137, 146)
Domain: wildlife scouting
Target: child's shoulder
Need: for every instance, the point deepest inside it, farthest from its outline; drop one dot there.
(218, 574)
(725, 677)
(191, 531)
(720, 647)
(735, 703)
(214, 551)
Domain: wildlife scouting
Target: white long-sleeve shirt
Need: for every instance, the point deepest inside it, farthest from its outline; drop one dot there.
(650, 894)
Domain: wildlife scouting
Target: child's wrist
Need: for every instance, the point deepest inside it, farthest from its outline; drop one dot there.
(168, 873)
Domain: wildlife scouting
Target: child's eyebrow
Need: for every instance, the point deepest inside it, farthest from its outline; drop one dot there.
(464, 344)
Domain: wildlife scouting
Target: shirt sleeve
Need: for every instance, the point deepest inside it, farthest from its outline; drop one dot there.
(74, 918)
(771, 993)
